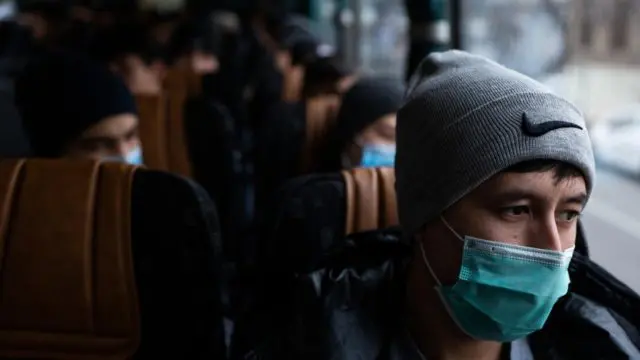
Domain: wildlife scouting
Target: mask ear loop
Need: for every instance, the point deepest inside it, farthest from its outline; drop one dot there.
(424, 255)
(455, 233)
(426, 263)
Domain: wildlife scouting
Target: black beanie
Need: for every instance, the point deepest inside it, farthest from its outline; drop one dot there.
(61, 95)
(363, 104)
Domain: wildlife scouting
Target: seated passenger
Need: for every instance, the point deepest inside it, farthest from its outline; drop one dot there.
(493, 171)
(191, 48)
(45, 19)
(72, 107)
(129, 51)
(326, 76)
(365, 129)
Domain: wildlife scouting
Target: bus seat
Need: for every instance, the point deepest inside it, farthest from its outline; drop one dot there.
(293, 83)
(370, 199)
(152, 115)
(106, 261)
(68, 288)
(162, 132)
(183, 79)
(178, 150)
(316, 212)
(321, 112)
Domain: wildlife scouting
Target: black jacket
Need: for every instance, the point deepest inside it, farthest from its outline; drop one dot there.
(350, 309)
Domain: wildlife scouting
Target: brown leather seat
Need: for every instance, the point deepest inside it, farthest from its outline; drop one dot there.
(315, 212)
(178, 150)
(321, 112)
(68, 289)
(179, 77)
(153, 132)
(293, 83)
(162, 131)
(370, 199)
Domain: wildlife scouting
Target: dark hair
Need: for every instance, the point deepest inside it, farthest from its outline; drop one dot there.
(562, 170)
(189, 37)
(323, 71)
(50, 10)
(121, 39)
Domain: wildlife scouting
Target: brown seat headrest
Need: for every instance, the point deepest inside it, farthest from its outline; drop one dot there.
(68, 289)
(320, 115)
(178, 150)
(153, 133)
(180, 77)
(371, 199)
(293, 83)
(162, 132)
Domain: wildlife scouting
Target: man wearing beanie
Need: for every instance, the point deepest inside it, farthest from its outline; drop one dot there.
(73, 107)
(492, 173)
(365, 131)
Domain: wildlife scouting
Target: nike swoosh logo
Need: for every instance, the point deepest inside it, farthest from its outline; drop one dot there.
(540, 129)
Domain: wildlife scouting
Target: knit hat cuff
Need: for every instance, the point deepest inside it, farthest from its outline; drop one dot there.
(475, 150)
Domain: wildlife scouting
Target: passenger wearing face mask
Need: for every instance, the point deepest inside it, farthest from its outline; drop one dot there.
(492, 173)
(365, 130)
(73, 107)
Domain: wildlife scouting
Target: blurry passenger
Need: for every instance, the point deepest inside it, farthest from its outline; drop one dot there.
(163, 26)
(130, 52)
(105, 14)
(82, 11)
(310, 68)
(46, 19)
(192, 47)
(365, 130)
(326, 76)
(72, 107)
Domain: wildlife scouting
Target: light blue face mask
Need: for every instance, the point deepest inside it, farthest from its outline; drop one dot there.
(134, 157)
(378, 155)
(504, 292)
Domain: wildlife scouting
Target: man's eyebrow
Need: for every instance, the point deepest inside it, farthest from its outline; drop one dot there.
(520, 194)
(514, 195)
(128, 133)
(89, 139)
(133, 130)
(580, 199)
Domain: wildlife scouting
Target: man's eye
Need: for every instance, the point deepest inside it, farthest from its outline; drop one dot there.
(569, 215)
(516, 210)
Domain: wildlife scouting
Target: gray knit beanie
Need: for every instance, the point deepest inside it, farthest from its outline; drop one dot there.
(467, 118)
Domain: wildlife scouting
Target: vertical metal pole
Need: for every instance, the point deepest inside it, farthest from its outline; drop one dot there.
(430, 28)
(456, 7)
(346, 25)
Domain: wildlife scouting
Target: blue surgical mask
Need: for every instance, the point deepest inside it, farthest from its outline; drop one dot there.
(504, 292)
(134, 157)
(378, 155)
